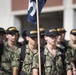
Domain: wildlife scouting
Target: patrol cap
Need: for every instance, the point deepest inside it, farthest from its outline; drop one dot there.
(73, 31)
(2, 31)
(11, 30)
(61, 30)
(32, 31)
(42, 31)
(51, 32)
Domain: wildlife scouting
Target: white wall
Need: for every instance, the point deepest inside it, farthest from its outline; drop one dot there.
(17, 23)
(5, 14)
(68, 17)
(75, 19)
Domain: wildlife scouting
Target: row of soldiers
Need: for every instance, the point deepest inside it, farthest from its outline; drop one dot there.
(57, 54)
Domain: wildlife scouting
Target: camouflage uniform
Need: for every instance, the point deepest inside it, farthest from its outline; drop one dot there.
(35, 61)
(53, 64)
(28, 62)
(6, 63)
(70, 56)
(63, 50)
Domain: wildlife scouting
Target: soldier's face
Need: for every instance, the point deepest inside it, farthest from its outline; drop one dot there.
(73, 37)
(63, 36)
(12, 37)
(51, 40)
(59, 38)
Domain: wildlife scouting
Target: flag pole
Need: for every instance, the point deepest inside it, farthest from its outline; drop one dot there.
(38, 32)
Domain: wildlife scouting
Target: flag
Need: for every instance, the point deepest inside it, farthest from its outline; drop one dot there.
(32, 10)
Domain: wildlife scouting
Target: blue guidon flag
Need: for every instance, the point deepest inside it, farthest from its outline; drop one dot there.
(32, 10)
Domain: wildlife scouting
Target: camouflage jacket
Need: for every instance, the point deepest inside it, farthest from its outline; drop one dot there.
(6, 60)
(70, 55)
(28, 62)
(53, 64)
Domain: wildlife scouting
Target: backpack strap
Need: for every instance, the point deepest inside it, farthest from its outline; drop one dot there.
(1, 50)
(43, 60)
(22, 56)
(65, 44)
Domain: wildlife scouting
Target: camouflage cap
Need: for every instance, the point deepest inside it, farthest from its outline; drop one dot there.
(2, 30)
(73, 31)
(11, 30)
(42, 31)
(32, 31)
(61, 30)
(51, 32)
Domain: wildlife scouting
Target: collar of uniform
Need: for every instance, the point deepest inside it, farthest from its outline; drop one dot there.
(9, 48)
(58, 52)
(6, 44)
(71, 45)
(61, 46)
(28, 50)
(46, 51)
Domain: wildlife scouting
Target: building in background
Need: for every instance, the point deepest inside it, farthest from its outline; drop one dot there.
(57, 13)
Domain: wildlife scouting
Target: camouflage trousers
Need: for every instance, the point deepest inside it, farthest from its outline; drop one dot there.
(4, 73)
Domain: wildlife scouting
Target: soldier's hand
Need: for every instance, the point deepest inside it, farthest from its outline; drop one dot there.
(74, 72)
